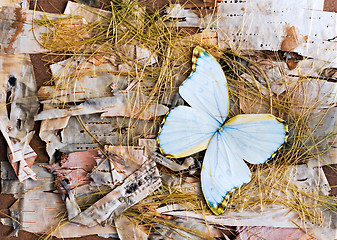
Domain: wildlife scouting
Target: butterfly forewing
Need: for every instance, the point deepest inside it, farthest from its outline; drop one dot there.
(186, 131)
(206, 88)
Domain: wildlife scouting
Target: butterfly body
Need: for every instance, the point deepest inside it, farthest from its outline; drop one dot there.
(247, 137)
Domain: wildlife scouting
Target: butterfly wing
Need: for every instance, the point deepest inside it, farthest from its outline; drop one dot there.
(255, 137)
(206, 88)
(250, 137)
(222, 171)
(186, 131)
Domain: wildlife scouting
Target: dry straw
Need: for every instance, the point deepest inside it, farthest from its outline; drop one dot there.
(129, 23)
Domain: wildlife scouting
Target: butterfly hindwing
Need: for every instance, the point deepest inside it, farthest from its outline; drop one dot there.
(186, 131)
(206, 88)
(255, 137)
(222, 171)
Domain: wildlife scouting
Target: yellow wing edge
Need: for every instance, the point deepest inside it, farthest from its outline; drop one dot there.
(197, 51)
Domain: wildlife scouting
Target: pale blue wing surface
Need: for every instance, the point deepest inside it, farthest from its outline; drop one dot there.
(206, 88)
(222, 171)
(255, 137)
(186, 131)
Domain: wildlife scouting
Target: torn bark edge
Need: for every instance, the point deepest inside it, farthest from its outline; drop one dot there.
(21, 156)
(15, 219)
(136, 187)
(171, 164)
(69, 199)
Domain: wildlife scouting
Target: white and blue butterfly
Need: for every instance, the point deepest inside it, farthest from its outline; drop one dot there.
(188, 130)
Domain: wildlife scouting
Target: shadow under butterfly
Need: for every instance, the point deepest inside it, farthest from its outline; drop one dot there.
(188, 130)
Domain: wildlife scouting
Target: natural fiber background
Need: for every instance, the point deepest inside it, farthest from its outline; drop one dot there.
(41, 71)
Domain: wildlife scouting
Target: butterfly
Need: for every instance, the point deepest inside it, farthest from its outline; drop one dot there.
(202, 125)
